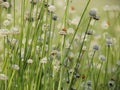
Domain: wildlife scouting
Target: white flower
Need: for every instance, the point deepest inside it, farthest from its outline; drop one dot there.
(62, 32)
(106, 8)
(70, 31)
(9, 17)
(6, 4)
(4, 32)
(14, 30)
(102, 58)
(44, 60)
(54, 52)
(56, 64)
(75, 20)
(52, 8)
(29, 61)
(84, 48)
(104, 25)
(6, 23)
(15, 67)
(3, 77)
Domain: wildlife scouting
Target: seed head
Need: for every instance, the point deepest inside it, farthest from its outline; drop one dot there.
(95, 47)
(3, 77)
(54, 17)
(102, 58)
(52, 8)
(15, 67)
(111, 83)
(93, 12)
(29, 61)
(6, 5)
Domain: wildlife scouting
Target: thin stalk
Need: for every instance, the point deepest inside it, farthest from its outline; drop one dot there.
(106, 67)
(61, 68)
(14, 12)
(77, 60)
(10, 81)
(76, 30)
(96, 83)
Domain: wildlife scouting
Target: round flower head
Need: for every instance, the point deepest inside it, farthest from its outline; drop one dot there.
(44, 60)
(29, 61)
(93, 12)
(89, 32)
(54, 17)
(3, 77)
(15, 67)
(102, 58)
(109, 42)
(52, 8)
(111, 83)
(70, 31)
(6, 5)
(95, 47)
(89, 83)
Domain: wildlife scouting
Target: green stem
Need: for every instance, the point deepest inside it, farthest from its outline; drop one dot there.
(77, 60)
(76, 30)
(106, 68)
(10, 81)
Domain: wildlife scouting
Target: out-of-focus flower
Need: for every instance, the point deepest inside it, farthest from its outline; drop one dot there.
(93, 14)
(3, 77)
(29, 61)
(95, 47)
(105, 25)
(89, 32)
(75, 20)
(15, 67)
(54, 17)
(88, 85)
(111, 83)
(4, 32)
(14, 30)
(54, 52)
(56, 65)
(102, 57)
(52, 8)
(72, 9)
(9, 17)
(6, 4)
(6, 23)
(63, 31)
(70, 31)
(44, 60)
(109, 42)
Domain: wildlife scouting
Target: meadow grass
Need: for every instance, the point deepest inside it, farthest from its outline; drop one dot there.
(50, 45)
